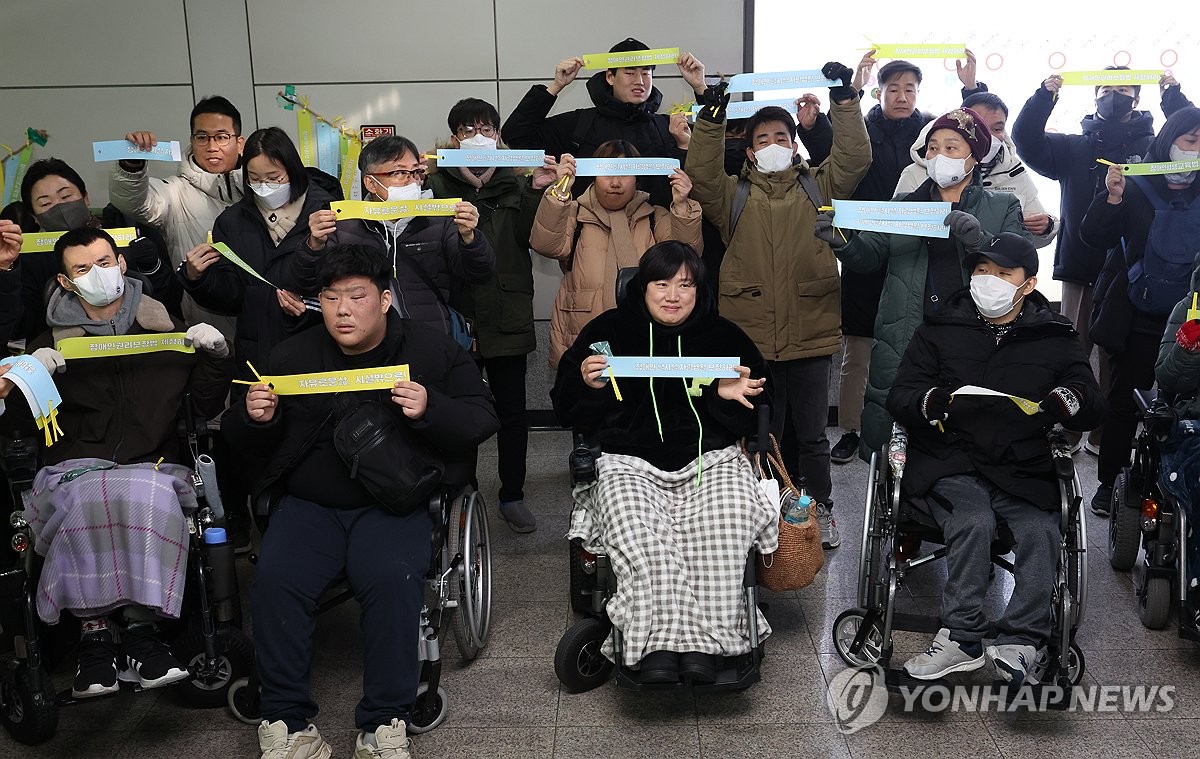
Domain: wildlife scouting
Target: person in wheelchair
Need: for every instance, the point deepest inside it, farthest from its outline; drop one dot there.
(976, 460)
(107, 515)
(675, 505)
(1178, 374)
(328, 522)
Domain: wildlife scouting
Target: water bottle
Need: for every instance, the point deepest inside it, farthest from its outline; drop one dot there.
(221, 574)
(797, 513)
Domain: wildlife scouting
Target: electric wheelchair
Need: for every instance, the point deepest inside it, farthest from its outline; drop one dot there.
(207, 638)
(579, 661)
(458, 593)
(894, 530)
(1145, 515)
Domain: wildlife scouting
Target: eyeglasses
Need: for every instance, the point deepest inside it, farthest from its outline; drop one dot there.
(406, 174)
(467, 132)
(221, 138)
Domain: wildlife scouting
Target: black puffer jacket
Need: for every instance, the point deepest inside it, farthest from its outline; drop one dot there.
(431, 243)
(631, 426)
(990, 435)
(223, 287)
(459, 417)
(1071, 160)
(581, 131)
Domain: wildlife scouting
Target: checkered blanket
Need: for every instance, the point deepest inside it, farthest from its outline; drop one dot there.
(678, 551)
(111, 537)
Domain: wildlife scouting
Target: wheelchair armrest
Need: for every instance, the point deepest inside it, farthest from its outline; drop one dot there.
(750, 578)
(762, 435)
(1144, 398)
(1060, 453)
(896, 452)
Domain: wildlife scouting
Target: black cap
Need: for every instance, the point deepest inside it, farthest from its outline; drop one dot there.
(627, 45)
(1010, 250)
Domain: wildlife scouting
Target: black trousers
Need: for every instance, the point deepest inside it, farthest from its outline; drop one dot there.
(385, 558)
(506, 378)
(1132, 368)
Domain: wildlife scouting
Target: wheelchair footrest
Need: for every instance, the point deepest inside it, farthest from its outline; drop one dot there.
(733, 673)
(1000, 696)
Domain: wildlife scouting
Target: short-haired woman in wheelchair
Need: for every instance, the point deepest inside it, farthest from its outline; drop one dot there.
(977, 460)
(675, 506)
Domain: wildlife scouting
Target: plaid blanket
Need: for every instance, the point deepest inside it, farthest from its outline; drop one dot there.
(678, 551)
(112, 536)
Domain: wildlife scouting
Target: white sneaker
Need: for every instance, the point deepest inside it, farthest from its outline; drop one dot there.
(1013, 663)
(387, 742)
(941, 658)
(276, 742)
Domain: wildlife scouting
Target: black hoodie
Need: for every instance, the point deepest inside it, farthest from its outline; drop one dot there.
(581, 131)
(630, 426)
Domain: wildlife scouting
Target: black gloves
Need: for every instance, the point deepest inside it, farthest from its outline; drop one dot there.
(713, 102)
(835, 70)
(1062, 403)
(143, 255)
(965, 229)
(826, 232)
(935, 406)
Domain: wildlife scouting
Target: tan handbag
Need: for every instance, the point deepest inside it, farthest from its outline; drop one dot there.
(795, 563)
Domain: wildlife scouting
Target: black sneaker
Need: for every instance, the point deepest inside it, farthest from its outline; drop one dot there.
(97, 672)
(1101, 502)
(846, 449)
(149, 662)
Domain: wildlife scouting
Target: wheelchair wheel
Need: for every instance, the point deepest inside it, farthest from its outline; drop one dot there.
(235, 660)
(846, 627)
(469, 536)
(29, 715)
(578, 660)
(1124, 527)
(1154, 602)
(429, 710)
(1041, 669)
(581, 582)
(243, 702)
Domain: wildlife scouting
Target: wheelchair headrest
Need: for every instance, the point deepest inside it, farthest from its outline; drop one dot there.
(624, 277)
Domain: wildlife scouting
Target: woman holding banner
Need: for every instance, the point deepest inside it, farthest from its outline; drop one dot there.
(675, 505)
(922, 272)
(264, 229)
(606, 229)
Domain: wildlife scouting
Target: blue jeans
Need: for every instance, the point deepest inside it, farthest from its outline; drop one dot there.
(385, 558)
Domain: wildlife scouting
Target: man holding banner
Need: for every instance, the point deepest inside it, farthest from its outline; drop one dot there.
(626, 108)
(185, 206)
(326, 522)
(778, 282)
(122, 365)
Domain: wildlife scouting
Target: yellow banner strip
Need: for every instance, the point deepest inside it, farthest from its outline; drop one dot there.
(631, 59)
(901, 50)
(350, 166)
(237, 261)
(350, 380)
(363, 209)
(308, 138)
(122, 345)
(43, 242)
(1097, 78)
(1155, 168)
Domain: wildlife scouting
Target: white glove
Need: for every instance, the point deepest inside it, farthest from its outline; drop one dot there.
(208, 339)
(51, 359)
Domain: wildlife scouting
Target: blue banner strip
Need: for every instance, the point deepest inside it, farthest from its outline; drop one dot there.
(124, 150)
(328, 148)
(482, 159)
(625, 167)
(747, 108)
(666, 366)
(781, 80)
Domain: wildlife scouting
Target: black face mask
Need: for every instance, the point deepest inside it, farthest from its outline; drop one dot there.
(735, 156)
(70, 214)
(1113, 106)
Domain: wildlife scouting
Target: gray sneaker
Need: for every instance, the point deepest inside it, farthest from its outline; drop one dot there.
(1013, 663)
(519, 518)
(276, 742)
(830, 537)
(943, 657)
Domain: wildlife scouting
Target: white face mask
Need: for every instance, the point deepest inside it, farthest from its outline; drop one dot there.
(997, 143)
(410, 191)
(101, 285)
(772, 158)
(272, 195)
(993, 296)
(478, 142)
(946, 171)
(1184, 177)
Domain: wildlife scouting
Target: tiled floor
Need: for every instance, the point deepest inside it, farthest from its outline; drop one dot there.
(508, 703)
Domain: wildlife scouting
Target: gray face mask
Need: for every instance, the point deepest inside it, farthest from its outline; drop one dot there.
(70, 214)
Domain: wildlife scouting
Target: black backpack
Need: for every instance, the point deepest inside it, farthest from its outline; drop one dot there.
(1163, 275)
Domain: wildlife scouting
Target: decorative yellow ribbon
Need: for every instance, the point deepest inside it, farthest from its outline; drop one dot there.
(1193, 312)
(122, 345)
(402, 209)
(350, 380)
(49, 424)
